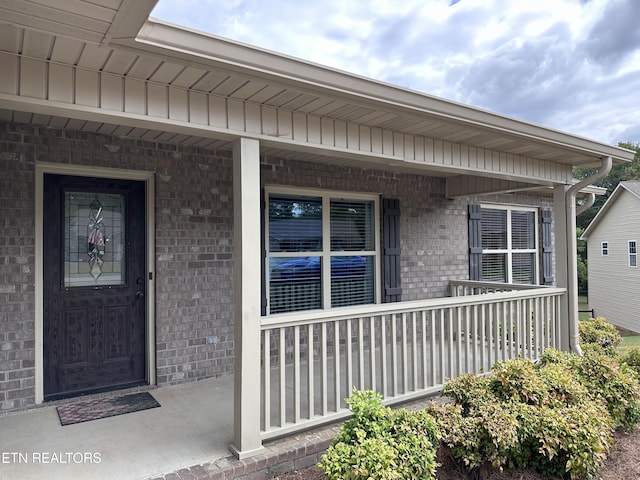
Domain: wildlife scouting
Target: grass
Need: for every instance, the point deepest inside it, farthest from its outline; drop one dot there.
(629, 341)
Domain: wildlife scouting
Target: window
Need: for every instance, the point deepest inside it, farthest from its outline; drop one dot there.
(604, 248)
(509, 244)
(633, 253)
(322, 250)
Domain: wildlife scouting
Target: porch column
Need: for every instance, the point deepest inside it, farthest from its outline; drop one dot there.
(561, 254)
(247, 299)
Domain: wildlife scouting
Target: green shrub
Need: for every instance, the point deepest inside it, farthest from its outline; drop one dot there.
(598, 334)
(632, 358)
(380, 443)
(607, 380)
(541, 416)
(484, 434)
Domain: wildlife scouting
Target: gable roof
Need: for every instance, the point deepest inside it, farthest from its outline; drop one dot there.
(631, 186)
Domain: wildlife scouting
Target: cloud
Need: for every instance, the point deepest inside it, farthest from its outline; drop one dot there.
(572, 65)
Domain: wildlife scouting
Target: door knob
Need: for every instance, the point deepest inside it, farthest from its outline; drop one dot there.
(139, 294)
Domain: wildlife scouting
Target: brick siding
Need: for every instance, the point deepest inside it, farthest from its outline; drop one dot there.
(194, 227)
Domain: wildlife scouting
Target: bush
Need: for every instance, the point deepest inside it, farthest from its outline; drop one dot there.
(380, 443)
(597, 334)
(632, 358)
(545, 416)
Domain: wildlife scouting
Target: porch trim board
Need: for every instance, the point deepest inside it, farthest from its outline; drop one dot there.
(312, 360)
(43, 168)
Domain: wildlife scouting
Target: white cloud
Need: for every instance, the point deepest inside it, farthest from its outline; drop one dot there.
(573, 65)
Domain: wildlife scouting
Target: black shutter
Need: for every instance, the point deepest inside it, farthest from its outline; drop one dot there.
(391, 238)
(263, 254)
(547, 247)
(475, 242)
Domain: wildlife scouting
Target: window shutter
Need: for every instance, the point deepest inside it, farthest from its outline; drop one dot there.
(475, 242)
(547, 247)
(391, 238)
(263, 256)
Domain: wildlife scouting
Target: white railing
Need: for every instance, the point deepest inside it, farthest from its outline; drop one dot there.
(311, 361)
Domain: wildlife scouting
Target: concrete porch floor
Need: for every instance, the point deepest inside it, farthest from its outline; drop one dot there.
(193, 426)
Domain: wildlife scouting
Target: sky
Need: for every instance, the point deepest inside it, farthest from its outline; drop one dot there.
(572, 65)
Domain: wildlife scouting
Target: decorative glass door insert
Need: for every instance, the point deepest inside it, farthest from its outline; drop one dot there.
(94, 239)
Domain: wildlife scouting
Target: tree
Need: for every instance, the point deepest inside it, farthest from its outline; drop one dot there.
(619, 173)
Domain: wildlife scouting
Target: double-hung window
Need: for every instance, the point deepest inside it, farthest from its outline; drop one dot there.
(509, 244)
(633, 253)
(604, 249)
(322, 250)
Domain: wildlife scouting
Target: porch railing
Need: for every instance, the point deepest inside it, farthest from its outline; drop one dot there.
(311, 361)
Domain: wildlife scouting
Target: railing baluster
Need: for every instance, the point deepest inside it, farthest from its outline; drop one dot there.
(423, 324)
(336, 365)
(349, 348)
(441, 347)
(283, 378)
(323, 366)
(297, 394)
(383, 355)
(414, 332)
(372, 354)
(361, 380)
(394, 357)
(311, 379)
(403, 346)
(267, 379)
(432, 350)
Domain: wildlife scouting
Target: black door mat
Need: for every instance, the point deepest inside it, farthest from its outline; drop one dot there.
(88, 410)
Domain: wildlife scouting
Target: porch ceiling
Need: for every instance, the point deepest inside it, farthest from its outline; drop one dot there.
(107, 38)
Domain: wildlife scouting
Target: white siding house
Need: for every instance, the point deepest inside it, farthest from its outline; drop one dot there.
(612, 250)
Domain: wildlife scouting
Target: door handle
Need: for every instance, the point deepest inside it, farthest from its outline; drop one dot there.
(139, 294)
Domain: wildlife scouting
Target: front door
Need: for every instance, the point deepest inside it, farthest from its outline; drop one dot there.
(94, 285)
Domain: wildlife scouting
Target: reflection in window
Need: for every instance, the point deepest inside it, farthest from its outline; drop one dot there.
(302, 273)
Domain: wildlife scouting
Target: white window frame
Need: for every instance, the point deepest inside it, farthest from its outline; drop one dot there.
(325, 253)
(509, 250)
(632, 253)
(604, 249)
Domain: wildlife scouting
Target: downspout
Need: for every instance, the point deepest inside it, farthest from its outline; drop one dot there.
(572, 269)
(588, 203)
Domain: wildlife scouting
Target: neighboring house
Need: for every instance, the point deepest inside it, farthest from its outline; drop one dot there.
(177, 206)
(613, 237)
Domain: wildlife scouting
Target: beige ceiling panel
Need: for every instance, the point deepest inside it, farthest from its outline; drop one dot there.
(10, 38)
(143, 67)
(248, 90)
(66, 50)
(94, 57)
(321, 106)
(265, 94)
(119, 62)
(36, 44)
(189, 77)
(283, 98)
(60, 23)
(101, 12)
(231, 84)
(300, 101)
(210, 81)
(62, 13)
(167, 73)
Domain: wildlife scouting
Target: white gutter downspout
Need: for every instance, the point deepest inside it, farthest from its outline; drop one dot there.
(588, 203)
(572, 269)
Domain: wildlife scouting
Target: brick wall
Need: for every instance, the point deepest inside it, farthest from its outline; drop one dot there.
(17, 259)
(433, 230)
(194, 266)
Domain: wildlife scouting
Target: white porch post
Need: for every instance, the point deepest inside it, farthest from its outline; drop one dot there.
(561, 254)
(246, 276)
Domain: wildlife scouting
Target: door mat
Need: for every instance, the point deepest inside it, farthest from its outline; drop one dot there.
(79, 412)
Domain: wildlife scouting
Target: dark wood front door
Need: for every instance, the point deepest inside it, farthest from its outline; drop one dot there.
(94, 285)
